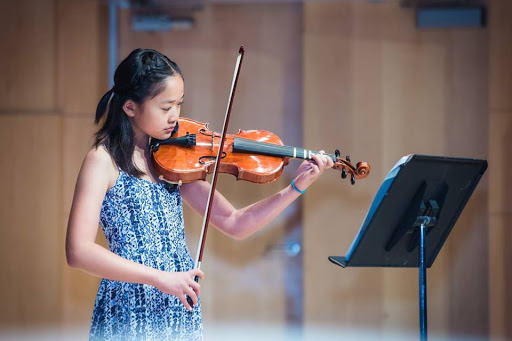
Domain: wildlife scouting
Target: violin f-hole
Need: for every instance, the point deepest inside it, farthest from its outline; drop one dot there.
(210, 157)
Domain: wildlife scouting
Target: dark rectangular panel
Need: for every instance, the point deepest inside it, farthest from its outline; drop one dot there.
(450, 17)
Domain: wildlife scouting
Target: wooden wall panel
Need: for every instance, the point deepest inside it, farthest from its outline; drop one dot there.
(500, 140)
(82, 73)
(50, 72)
(500, 161)
(465, 126)
(82, 80)
(500, 277)
(332, 208)
(30, 211)
(500, 55)
(31, 159)
(390, 90)
(29, 62)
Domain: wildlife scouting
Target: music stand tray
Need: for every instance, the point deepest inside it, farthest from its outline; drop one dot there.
(412, 214)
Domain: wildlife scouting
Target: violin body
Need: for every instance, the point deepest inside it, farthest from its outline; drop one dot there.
(257, 156)
(194, 162)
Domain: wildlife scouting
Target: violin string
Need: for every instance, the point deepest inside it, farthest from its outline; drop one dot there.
(283, 149)
(276, 148)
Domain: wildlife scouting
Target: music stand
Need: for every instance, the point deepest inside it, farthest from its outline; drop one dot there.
(411, 216)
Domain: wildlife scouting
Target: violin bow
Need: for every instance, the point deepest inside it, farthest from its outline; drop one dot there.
(206, 219)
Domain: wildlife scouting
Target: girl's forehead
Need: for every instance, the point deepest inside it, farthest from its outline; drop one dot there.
(173, 89)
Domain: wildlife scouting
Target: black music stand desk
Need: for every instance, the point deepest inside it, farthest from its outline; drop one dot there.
(412, 214)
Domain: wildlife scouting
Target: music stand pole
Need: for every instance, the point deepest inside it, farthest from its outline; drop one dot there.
(423, 283)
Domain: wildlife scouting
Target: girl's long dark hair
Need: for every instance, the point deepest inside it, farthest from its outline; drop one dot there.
(140, 76)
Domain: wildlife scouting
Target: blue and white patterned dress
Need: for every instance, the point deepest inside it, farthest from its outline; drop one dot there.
(143, 222)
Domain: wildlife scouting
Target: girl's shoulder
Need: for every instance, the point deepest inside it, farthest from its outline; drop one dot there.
(100, 157)
(99, 162)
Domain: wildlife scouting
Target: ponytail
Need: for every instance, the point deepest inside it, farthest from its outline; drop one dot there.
(103, 105)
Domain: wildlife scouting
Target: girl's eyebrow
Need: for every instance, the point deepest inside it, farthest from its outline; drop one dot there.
(169, 101)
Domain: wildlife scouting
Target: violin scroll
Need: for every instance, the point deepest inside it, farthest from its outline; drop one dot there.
(360, 171)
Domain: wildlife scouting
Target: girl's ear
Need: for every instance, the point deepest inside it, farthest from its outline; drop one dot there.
(130, 108)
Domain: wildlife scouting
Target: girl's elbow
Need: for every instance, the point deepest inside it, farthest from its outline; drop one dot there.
(229, 225)
(231, 230)
(236, 233)
(238, 236)
(73, 257)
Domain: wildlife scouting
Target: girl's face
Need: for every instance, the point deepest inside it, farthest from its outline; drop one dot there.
(158, 116)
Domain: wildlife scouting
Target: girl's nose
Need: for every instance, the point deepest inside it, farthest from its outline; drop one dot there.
(173, 118)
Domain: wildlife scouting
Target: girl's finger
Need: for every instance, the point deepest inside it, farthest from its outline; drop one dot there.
(330, 163)
(196, 272)
(324, 161)
(314, 169)
(192, 294)
(319, 159)
(196, 287)
(183, 300)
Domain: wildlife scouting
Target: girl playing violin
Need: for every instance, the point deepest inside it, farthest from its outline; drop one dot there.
(147, 272)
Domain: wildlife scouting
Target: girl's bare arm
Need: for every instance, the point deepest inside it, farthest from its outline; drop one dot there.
(241, 223)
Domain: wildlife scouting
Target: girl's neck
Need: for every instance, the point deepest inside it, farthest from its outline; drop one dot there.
(141, 140)
(141, 154)
(141, 157)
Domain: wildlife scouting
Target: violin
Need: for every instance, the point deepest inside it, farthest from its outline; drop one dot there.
(257, 156)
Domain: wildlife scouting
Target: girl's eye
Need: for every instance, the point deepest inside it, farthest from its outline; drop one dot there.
(167, 109)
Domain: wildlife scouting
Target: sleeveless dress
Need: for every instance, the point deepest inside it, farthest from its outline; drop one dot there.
(143, 222)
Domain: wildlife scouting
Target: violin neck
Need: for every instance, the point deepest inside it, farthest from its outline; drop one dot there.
(241, 145)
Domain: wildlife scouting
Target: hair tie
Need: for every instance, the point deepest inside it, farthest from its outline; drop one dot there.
(112, 93)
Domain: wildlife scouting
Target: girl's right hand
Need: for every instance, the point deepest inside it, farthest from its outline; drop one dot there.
(180, 284)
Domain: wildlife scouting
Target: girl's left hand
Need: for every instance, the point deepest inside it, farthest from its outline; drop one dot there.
(310, 170)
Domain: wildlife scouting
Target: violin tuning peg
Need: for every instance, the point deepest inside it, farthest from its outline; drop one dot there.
(337, 153)
(347, 158)
(352, 179)
(343, 173)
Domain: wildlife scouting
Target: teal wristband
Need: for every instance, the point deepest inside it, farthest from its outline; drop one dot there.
(295, 187)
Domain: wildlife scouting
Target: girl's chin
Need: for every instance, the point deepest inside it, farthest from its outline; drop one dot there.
(162, 136)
